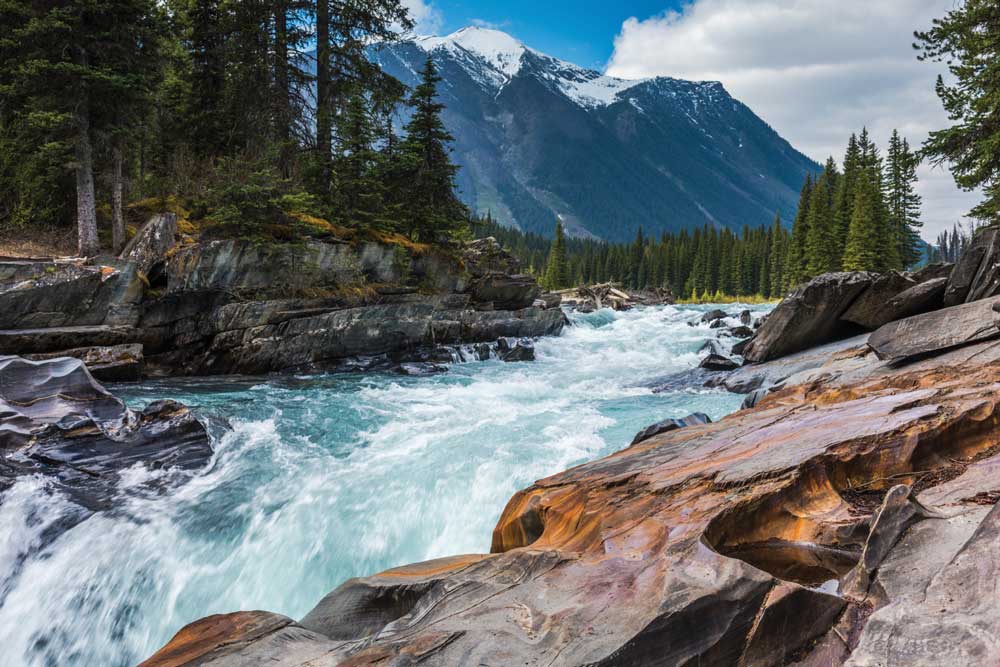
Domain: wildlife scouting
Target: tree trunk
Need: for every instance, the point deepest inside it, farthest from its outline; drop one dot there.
(281, 79)
(324, 114)
(86, 205)
(117, 215)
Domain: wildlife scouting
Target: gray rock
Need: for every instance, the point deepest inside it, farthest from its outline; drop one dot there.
(977, 274)
(150, 245)
(810, 316)
(740, 346)
(523, 350)
(932, 272)
(753, 398)
(922, 298)
(868, 310)
(548, 300)
(713, 346)
(56, 420)
(936, 332)
(715, 362)
(421, 369)
(69, 295)
(116, 363)
(505, 292)
(668, 425)
(713, 315)
(746, 317)
(740, 332)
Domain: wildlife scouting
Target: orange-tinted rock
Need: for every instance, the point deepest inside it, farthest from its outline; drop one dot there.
(714, 545)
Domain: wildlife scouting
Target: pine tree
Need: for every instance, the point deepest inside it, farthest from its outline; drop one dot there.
(777, 259)
(557, 274)
(903, 200)
(433, 211)
(797, 259)
(77, 74)
(862, 251)
(822, 241)
(968, 40)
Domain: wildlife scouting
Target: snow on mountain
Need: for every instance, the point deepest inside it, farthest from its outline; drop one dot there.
(504, 57)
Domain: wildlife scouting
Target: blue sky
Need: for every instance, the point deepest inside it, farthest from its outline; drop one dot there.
(580, 31)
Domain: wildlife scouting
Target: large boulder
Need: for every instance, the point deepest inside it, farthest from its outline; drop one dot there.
(505, 292)
(809, 316)
(868, 310)
(56, 420)
(150, 245)
(977, 273)
(937, 331)
(921, 298)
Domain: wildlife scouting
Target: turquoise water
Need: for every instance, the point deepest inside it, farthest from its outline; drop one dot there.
(326, 478)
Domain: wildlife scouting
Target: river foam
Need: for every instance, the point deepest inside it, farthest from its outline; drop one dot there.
(326, 478)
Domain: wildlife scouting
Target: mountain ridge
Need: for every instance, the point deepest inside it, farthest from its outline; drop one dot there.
(539, 138)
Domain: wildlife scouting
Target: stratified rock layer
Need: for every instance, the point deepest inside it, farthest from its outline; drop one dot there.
(713, 545)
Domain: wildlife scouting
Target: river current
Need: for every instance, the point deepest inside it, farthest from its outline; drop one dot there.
(325, 478)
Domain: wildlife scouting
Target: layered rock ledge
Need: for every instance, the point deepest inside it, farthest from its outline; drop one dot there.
(847, 519)
(172, 306)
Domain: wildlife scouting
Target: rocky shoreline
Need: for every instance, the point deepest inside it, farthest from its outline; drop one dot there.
(171, 306)
(846, 517)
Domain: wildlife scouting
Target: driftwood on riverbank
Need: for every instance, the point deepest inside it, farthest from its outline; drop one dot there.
(588, 298)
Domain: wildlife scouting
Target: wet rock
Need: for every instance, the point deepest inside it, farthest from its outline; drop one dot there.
(421, 369)
(56, 420)
(733, 528)
(548, 300)
(523, 350)
(117, 363)
(713, 347)
(668, 425)
(151, 243)
(868, 310)
(937, 331)
(740, 332)
(718, 324)
(715, 362)
(713, 315)
(483, 351)
(933, 272)
(740, 346)
(753, 398)
(810, 316)
(746, 317)
(977, 274)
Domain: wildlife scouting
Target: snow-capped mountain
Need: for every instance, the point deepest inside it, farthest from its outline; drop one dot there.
(538, 137)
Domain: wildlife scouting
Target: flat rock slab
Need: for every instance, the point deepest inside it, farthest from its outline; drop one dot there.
(936, 332)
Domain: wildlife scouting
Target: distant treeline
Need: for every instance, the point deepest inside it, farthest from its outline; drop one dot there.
(864, 218)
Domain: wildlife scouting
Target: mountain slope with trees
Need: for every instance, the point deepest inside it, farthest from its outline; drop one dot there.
(538, 138)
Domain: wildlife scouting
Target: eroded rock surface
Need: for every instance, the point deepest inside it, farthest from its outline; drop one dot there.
(717, 544)
(56, 420)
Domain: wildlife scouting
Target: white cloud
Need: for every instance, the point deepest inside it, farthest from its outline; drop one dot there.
(815, 70)
(425, 15)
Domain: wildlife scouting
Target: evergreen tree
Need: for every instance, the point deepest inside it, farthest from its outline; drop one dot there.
(968, 40)
(903, 200)
(433, 210)
(777, 258)
(822, 237)
(557, 274)
(797, 259)
(862, 251)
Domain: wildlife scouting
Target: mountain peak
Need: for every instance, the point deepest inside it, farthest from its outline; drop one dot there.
(502, 51)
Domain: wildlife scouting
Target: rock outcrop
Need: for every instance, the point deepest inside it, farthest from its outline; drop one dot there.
(938, 331)
(845, 520)
(56, 420)
(668, 425)
(231, 306)
(977, 274)
(809, 316)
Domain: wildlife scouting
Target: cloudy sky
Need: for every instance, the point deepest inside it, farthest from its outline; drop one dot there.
(815, 70)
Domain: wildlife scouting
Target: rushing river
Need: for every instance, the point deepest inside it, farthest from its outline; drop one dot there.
(326, 478)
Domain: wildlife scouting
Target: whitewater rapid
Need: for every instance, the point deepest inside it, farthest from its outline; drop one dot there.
(325, 478)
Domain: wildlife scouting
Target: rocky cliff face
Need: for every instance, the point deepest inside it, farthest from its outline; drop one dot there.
(223, 307)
